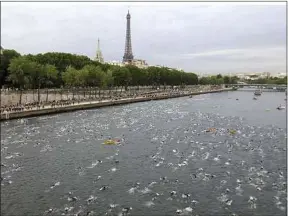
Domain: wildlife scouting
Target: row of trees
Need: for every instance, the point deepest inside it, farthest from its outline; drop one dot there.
(269, 80)
(218, 80)
(63, 69)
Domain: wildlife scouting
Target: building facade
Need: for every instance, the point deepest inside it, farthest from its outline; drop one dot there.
(140, 63)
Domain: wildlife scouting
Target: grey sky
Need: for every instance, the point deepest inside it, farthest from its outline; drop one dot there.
(198, 37)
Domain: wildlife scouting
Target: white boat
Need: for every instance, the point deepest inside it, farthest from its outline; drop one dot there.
(281, 107)
(257, 92)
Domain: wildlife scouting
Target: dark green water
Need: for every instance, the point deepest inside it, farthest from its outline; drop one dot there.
(167, 163)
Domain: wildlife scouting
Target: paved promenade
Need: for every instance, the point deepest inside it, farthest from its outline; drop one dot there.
(23, 112)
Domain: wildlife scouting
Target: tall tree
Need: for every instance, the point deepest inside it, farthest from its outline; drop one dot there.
(49, 76)
(19, 73)
(122, 77)
(70, 76)
(219, 76)
(6, 57)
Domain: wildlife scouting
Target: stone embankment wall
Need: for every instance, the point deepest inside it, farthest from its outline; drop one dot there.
(47, 111)
(12, 97)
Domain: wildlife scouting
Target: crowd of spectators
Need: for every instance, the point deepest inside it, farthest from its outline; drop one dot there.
(112, 97)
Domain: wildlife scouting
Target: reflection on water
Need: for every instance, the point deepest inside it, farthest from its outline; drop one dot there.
(167, 162)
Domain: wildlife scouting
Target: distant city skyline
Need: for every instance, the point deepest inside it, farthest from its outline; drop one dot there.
(204, 38)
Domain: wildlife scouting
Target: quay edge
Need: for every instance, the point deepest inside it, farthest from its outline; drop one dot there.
(56, 110)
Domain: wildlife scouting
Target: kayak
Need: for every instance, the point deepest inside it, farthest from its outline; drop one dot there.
(111, 142)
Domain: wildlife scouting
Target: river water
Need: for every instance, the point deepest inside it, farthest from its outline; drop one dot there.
(166, 162)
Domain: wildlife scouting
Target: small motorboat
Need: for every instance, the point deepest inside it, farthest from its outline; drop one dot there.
(190, 96)
(254, 98)
(257, 92)
(281, 107)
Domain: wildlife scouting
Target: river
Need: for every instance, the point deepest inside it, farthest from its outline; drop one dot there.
(166, 162)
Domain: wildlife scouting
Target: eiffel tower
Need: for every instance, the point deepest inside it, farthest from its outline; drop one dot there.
(128, 55)
(99, 56)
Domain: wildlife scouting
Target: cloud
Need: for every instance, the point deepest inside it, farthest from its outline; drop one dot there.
(192, 35)
(240, 54)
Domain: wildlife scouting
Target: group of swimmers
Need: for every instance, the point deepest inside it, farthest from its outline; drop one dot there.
(68, 102)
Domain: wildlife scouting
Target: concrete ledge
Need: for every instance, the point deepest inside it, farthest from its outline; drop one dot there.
(47, 111)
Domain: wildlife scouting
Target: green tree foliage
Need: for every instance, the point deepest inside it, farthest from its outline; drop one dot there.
(70, 77)
(270, 80)
(219, 76)
(96, 76)
(35, 75)
(153, 75)
(189, 78)
(204, 81)
(282, 81)
(55, 69)
(61, 60)
(89, 75)
(6, 58)
(24, 74)
(138, 75)
(122, 76)
(218, 80)
(82, 77)
(49, 75)
(109, 79)
(226, 79)
(64, 60)
(20, 73)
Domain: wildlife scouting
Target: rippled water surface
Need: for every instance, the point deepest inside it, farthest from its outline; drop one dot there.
(166, 163)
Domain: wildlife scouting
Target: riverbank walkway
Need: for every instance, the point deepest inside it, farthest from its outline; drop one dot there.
(22, 111)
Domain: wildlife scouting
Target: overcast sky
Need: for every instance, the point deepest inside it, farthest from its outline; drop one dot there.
(197, 37)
